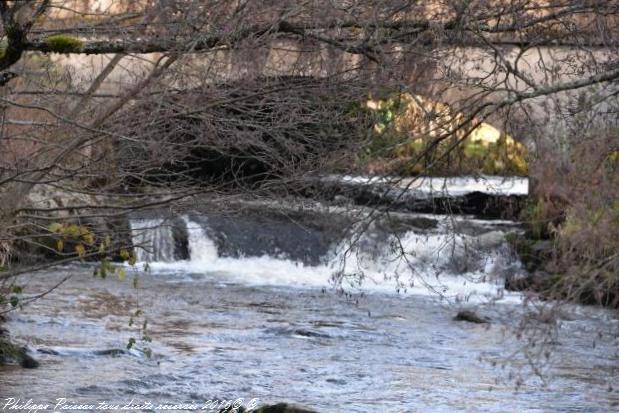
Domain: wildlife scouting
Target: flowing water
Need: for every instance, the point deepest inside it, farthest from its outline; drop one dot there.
(236, 309)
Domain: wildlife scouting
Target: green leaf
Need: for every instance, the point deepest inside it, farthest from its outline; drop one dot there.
(121, 273)
(131, 343)
(14, 300)
(102, 271)
(54, 227)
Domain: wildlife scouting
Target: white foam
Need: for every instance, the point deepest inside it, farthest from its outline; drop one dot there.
(447, 186)
(202, 249)
(424, 264)
(415, 263)
(204, 259)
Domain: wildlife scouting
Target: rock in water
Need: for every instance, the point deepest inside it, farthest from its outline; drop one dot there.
(27, 362)
(471, 317)
(283, 408)
(9, 352)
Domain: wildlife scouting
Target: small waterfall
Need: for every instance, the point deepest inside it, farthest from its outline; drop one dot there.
(153, 240)
(161, 241)
(201, 248)
(453, 265)
(420, 261)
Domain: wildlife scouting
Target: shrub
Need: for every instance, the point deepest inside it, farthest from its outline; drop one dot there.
(577, 204)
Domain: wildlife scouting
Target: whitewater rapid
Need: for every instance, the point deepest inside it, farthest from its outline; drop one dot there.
(441, 263)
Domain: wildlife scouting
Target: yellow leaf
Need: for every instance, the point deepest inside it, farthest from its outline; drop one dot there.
(60, 245)
(79, 248)
(73, 230)
(121, 273)
(88, 238)
(124, 254)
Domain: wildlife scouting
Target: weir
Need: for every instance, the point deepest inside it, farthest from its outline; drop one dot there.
(455, 256)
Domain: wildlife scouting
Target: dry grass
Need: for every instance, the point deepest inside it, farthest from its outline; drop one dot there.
(578, 208)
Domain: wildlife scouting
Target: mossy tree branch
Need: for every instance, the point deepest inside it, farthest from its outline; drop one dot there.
(16, 30)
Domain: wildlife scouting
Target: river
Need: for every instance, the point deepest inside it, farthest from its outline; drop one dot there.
(252, 312)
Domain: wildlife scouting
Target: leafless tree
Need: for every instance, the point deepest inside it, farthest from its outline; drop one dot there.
(120, 104)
